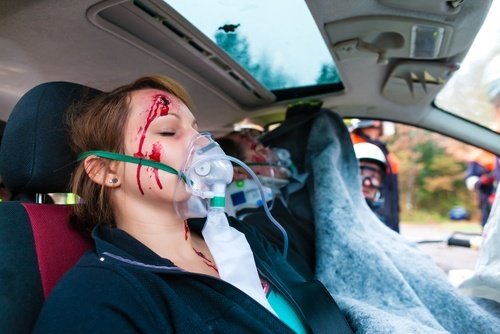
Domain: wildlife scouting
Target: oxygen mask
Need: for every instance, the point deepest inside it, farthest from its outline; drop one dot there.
(205, 174)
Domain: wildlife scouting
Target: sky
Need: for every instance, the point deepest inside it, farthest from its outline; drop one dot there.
(293, 37)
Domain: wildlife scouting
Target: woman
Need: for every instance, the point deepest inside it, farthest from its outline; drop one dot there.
(150, 272)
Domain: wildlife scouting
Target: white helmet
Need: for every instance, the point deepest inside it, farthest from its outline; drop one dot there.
(369, 151)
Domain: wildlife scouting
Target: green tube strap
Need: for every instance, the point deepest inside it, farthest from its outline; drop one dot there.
(134, 160)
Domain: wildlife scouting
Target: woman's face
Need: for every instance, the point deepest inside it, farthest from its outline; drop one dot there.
(159, 128)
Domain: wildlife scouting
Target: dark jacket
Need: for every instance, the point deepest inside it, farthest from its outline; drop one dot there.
(124, 287)
(301, 252)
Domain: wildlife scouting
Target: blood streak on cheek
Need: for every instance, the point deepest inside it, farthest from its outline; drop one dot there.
(156, 152)
(159, 107)
(155, 156)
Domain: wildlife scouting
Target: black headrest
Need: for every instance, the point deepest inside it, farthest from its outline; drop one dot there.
(35, 156)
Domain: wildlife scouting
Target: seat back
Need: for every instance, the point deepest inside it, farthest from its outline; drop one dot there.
(37, 243)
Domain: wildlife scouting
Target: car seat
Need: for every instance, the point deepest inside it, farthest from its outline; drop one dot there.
(37, 244)
(381, 282)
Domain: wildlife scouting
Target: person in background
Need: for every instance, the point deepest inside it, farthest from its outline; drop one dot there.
(371, 131)
(263, 161)
(372, 167)
(274, 169)
(483, 170)
(480, 176)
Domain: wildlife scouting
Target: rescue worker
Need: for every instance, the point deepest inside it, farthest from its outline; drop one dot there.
(372, 167)
(275, 171)
(483, 171)
(370, 131)
(480, 176)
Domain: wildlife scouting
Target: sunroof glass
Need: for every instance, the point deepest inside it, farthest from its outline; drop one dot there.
(280, 50)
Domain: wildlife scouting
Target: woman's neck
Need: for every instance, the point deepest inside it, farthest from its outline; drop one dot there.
(162, 231)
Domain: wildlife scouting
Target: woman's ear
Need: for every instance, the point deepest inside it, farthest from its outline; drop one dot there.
(102, 171)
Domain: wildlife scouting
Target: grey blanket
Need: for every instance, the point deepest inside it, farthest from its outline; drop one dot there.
(382, 282)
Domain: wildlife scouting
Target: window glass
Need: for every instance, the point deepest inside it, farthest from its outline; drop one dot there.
(276, 41)
(474, 90)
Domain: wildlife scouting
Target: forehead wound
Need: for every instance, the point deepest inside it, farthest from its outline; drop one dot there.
(161, 102)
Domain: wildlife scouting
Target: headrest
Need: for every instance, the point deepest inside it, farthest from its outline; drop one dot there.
(35, 156)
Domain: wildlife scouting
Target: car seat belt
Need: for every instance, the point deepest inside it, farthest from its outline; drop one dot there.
(322, 312)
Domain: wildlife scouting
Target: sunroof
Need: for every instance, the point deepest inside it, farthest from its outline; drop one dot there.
(277, 41)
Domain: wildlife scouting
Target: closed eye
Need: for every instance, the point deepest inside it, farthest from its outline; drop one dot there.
(167, 133)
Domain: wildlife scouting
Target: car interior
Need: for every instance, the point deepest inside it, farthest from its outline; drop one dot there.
(390, 60)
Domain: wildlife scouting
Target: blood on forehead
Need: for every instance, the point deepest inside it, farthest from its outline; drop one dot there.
(160, 106)
(163, 103)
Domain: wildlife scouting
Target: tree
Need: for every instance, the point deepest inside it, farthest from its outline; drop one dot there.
(239, 49)
(431, 170)
(328, 74)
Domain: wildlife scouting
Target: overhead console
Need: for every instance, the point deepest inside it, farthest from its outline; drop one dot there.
(410, 46)
(390, 37)
(418, 46)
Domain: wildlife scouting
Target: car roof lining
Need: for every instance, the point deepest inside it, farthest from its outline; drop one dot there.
(39, 53)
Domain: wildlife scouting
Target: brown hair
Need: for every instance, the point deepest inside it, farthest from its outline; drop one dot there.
(99, 124)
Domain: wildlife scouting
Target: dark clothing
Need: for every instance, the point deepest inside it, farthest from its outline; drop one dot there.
(390, 186)
(376, 207)
(484, 190)
(301, 246)
(124, 287)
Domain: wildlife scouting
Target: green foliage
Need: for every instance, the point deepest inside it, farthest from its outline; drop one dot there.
(431, 174)
(239, 49)
(328, 74)
(440, 181)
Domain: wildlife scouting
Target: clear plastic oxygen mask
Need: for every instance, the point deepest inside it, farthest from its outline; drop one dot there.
(205, 174)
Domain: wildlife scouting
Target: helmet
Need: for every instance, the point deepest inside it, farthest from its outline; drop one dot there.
(364, 123)
(371, 152)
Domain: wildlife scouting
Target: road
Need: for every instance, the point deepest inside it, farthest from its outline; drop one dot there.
(457, 262)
